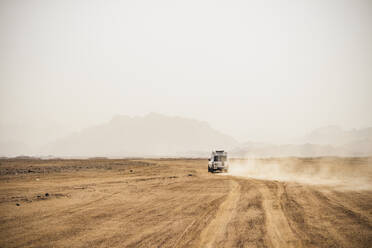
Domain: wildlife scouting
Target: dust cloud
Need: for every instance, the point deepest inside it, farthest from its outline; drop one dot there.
(350, 173)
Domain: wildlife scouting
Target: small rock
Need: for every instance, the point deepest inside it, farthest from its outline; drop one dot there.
(190, 175)
(131, 171)
(46, 194)
(17, 204)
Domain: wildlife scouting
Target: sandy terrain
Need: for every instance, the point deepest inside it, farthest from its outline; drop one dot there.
(177, 203)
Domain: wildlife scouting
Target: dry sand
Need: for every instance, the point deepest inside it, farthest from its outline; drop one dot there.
(177, 203)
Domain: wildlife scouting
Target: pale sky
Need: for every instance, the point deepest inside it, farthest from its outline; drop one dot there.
(264, 71)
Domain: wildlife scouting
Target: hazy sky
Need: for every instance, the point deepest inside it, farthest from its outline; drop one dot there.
(257, 70)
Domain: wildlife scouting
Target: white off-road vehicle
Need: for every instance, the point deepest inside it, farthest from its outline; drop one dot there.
(218, 161)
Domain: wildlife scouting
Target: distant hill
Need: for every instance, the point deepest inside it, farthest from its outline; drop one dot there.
(150, 135)
(334, 135)
(156, 135)
(304, 150)
(325, 141)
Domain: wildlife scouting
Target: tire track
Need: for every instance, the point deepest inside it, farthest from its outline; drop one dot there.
(217, 227)
(278, 229)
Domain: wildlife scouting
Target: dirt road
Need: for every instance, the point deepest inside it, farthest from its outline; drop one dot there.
(171, 203)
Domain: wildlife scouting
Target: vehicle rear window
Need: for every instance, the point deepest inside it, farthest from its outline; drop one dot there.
(219, 158)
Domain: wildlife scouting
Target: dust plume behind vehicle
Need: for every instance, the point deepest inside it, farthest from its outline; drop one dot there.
(346, 173)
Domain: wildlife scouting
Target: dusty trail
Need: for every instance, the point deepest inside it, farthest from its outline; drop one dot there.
(172, 203)
(217, 227)
(277, 225)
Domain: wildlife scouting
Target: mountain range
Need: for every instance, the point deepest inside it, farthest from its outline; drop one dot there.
(324, 141)
(157, 135)
(150, 135)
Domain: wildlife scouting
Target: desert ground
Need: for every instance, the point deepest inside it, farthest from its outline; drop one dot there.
(177, 203)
